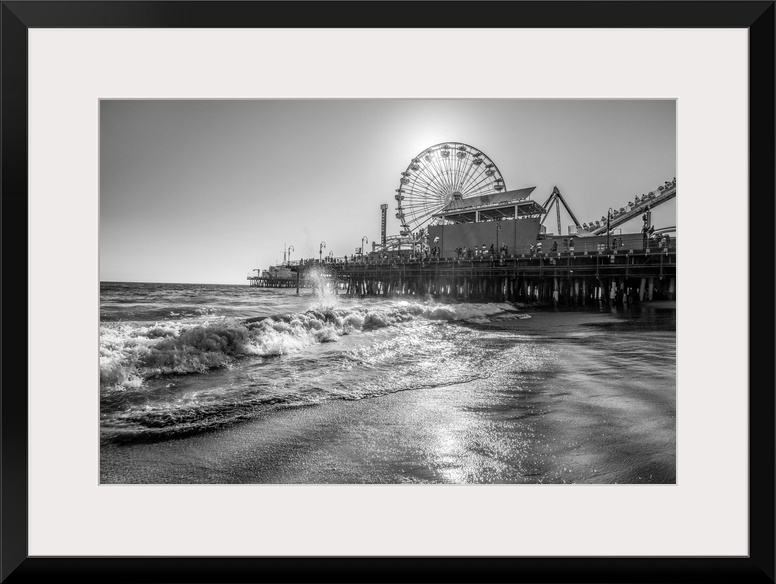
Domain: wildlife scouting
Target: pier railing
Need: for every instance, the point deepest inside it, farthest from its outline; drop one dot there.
(618, 247)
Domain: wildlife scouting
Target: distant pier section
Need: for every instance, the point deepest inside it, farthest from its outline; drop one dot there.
(281, 276)
(262, 282)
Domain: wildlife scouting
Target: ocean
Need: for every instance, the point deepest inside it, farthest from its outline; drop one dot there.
(530, 394)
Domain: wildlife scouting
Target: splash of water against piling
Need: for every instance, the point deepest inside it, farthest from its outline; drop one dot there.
(322, 282)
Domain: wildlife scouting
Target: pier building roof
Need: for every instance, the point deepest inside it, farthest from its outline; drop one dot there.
(508, 204)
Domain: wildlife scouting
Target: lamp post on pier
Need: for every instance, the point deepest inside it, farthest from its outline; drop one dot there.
(320, 252)
(647, 229)
(608, 222)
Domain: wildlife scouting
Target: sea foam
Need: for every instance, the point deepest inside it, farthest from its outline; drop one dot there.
(132, 353)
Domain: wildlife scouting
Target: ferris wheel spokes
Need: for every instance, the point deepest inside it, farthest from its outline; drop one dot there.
(437, 175)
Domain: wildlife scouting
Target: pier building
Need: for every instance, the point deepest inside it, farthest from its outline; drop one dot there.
(510, 218)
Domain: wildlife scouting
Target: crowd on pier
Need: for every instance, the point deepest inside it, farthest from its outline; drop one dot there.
(550, 247)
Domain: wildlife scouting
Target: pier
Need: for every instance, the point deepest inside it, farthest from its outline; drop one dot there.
(465, 242)
(564, 277)
(264, 282)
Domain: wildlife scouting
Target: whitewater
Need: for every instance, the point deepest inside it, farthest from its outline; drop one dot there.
(177, 359)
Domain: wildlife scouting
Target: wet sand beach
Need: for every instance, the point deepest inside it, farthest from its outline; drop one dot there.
(584, 396)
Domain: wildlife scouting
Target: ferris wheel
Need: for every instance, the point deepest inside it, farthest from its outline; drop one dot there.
(438, 175)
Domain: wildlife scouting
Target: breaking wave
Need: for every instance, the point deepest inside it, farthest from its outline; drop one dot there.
(130, 353)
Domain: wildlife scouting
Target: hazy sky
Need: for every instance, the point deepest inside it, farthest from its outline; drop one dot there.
(206, 191)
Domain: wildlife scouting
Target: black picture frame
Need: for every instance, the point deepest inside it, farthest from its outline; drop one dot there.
(19, 16)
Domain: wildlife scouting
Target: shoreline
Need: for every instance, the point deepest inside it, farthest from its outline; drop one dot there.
(579, 420)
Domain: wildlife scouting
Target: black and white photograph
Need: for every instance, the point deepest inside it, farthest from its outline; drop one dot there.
(378, 294)
(387, 291)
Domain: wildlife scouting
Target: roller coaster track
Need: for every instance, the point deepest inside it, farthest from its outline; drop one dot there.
(659, 198)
